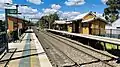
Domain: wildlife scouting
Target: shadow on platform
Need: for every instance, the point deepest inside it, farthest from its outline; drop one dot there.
(24, 50)
(6, 61)
(114, 52)
(96, 61)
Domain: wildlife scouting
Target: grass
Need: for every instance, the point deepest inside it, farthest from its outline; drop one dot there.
(109, 46)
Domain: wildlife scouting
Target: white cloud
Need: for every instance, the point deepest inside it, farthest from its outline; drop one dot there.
(2, 3)
(31, 17)
(63, 15)
(55, 6)
(5, 1)
(48, 11)
(3, 6)
(29, 12)
(37, 16)
(74, 2)
(26, 9)
(104, 1)
(2, 17)
(68, 15)
(37, 2)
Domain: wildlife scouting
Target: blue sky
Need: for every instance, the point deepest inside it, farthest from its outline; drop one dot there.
(93, 5)
(64, 7)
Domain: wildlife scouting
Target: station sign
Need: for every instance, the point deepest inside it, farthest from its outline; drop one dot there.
(11, 11)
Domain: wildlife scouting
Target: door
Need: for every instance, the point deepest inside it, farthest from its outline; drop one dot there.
(90, 29)
(77, 27)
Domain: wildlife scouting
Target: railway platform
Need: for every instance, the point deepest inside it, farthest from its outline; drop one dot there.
(27, 53)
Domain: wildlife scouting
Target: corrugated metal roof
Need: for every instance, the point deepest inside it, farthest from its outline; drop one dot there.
(88, 20)
(62, 22)
(109, 27)
(84, 14)
(116, 23)
(80, 16)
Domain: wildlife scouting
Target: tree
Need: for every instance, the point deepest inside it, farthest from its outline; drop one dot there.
(2, 26)
(47, 21)
(52, 18)
(111, 13)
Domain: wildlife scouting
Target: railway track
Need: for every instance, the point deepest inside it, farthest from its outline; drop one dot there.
(103, 61)
(71, 60)
(68, 61)
(80, 44)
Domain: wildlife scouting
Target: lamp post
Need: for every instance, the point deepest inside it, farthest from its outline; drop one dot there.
(17, 21)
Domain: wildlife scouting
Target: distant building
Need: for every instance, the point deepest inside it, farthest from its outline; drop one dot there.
(113, 28)
(14, 23)
(114, 25)
(89, 23)
(62, 25)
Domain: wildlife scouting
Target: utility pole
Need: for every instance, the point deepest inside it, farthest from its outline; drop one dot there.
(17, 21)
(18, 31)
(49, 24)
(6, 27)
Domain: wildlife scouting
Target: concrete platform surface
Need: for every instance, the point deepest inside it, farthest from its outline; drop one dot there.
(27, 53)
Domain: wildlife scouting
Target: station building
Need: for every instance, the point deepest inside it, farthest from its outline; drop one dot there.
(86, 23)
(114, 25)
(89, 23)
(15, 23)
(113, 29)
(62, 25)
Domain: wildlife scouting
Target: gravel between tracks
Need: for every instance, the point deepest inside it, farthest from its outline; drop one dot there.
(57, 58)
(78, 56)
(81, 58)
(93, 53)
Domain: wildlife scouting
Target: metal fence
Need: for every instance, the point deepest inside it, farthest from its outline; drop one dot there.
(112, 33)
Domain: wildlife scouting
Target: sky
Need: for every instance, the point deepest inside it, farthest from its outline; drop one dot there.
(67, 9)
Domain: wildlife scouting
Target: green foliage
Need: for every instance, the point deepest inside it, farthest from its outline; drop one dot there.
(111, 13)
(45, 20)
(2, 26)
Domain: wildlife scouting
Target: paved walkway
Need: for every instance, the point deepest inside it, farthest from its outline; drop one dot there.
(28, 53)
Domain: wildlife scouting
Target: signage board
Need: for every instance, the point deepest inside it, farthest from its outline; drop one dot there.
(11, 11)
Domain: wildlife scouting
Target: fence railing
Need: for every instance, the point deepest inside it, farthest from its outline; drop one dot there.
(112, 33)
